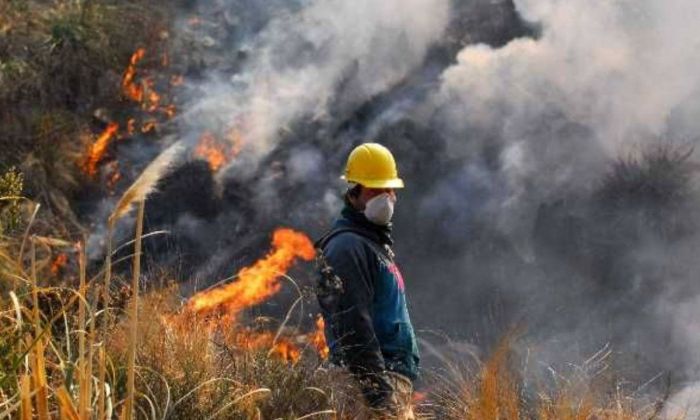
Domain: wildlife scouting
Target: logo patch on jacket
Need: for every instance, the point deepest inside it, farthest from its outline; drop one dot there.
(394, 269)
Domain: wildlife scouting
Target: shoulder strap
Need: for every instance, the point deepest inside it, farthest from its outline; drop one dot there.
(323, 241)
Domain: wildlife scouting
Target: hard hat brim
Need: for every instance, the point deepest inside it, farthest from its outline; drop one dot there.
(395, 183)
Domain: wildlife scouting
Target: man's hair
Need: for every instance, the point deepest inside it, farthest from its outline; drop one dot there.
(354, 191)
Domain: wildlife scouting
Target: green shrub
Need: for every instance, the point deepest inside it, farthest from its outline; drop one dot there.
(11, 187)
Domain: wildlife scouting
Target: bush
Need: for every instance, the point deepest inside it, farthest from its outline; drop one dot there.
(659, 177)
(11, 188)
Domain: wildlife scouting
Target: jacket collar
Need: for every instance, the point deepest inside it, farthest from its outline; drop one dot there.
(350, 217)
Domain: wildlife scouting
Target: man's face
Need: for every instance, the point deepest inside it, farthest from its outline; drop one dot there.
(367, 194)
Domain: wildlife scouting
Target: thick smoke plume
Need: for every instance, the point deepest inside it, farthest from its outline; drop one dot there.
(546, 145)
(323, 59)
(537, 121)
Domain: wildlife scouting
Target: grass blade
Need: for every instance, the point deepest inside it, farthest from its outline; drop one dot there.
(26, 395)
(84, 396)
(133, 314)
(65, 404)
(102, 368)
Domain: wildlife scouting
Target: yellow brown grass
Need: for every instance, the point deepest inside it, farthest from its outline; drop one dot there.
(185, 369)
(134, 313)
(494, 390)
(158, 361)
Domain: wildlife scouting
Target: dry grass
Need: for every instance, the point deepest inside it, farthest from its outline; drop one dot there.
(158, 360)
(494, 390)
(488, 390)
(134, 315)
(184, 366)
(188, 370)
(179, 371)
(161, 361)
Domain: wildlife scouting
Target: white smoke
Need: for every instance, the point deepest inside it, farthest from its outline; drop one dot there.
(604, 75)
(618, 67)
(302, 59)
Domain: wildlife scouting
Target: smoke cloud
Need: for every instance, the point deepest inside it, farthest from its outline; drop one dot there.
(506, 118)
(535, 125)
(602, 77)
(329, 54)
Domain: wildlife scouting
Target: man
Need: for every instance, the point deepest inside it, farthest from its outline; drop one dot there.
(361, 290)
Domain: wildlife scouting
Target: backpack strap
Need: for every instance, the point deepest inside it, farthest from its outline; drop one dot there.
(323, 241)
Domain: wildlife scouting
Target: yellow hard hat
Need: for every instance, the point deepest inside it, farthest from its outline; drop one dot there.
(373, 166)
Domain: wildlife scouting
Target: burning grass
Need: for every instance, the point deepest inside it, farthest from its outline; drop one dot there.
(162, 359)
(191, 369)
(64, 353)
(97, 150)
(217, 152)
(60, 62)
(190, 364)
(259, 282)
(185, 369)
(186, 366)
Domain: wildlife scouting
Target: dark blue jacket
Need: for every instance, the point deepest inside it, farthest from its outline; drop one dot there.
(362, 299)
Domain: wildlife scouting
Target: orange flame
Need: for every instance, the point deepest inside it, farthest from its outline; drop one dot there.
(260, 281)
(255, 284)
(218, 153)
(211, 150)
(131, 89)
(144, 92)
(149, 126)
(318, 338)
(58, 263)
(284, 348)
(187, 322)
(287, 350)
(97, 150)
(151, 101)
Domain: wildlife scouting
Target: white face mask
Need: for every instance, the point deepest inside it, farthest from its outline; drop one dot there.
(379, 209)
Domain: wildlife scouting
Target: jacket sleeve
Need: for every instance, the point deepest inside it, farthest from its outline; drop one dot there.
(351, 321)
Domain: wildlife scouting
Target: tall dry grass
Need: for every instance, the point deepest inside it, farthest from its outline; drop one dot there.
(136, 193)
(183, 368)
(134, 315)
(495, 389)
(148, 367)
(155, 360)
